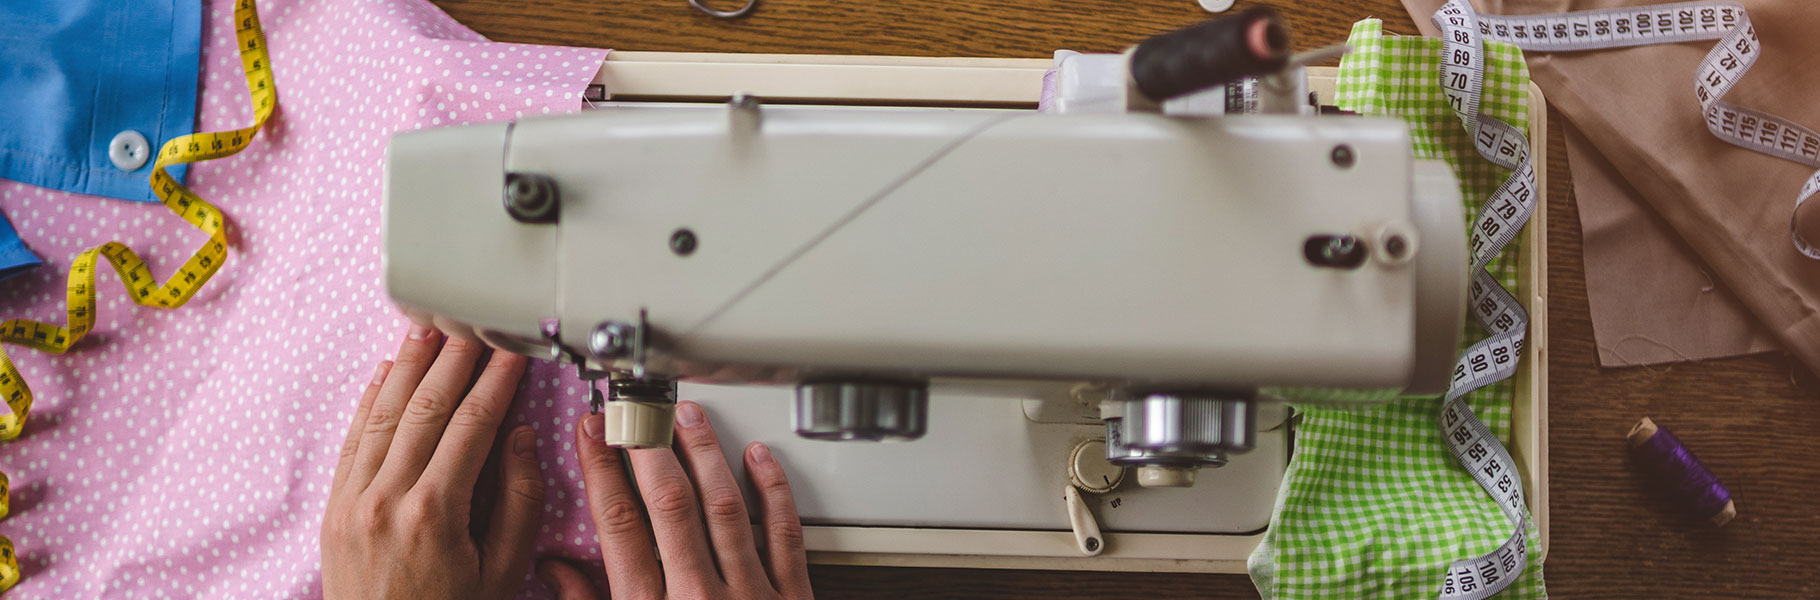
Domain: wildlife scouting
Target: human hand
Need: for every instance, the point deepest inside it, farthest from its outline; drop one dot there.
(398, 520)
(697, 515)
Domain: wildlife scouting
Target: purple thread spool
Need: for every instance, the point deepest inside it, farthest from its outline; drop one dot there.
(1672, 464)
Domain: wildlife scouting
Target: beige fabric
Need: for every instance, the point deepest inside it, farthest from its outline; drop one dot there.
(1652, 300)
(1646, 157)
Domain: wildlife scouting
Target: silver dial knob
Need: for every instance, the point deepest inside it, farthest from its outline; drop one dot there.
(861, 410)
(1169, 436)
(1178, 423)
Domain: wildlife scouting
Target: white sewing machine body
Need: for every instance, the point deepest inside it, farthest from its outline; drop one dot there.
(1028, 271)
(939, 242)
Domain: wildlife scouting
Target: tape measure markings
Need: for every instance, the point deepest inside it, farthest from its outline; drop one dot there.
(1503, 214)
(1498, 221)
(134, 273)
(9, 565)
(1720, 70)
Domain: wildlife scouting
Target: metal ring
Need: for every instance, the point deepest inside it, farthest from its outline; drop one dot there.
(725, 14)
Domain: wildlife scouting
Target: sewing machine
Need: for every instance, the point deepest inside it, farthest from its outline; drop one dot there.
(1068, 316)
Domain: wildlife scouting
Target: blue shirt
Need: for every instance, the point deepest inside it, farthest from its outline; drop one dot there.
(15, 258)
(75, 76)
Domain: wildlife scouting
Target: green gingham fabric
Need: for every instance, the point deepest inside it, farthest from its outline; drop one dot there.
(1374, 505)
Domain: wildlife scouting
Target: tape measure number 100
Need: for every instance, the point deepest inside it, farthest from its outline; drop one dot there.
(134, 273)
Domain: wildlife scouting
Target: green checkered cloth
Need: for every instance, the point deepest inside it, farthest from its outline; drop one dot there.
(1374, 505)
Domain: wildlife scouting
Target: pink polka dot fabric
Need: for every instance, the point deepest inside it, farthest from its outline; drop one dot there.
(189, 453)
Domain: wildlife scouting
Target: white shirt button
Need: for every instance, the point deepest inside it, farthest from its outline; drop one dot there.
(129, 150)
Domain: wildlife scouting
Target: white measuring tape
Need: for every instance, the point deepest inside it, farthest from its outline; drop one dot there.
(1462, 77)
(1494, 358)
(1723, 66)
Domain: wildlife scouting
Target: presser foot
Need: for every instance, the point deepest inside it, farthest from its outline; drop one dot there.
(639, 412)
(636, 412)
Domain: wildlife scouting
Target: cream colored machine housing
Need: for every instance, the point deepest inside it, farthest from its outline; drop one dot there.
(1175, 264)
(1017, 456)
(913, 243)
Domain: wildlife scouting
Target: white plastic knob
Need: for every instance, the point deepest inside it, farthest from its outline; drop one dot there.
(1215, 6)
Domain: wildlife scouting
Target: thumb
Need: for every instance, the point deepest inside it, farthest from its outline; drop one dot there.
(518, 507)
(564, 579)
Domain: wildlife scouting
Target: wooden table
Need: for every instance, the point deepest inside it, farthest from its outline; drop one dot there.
(1610, 538)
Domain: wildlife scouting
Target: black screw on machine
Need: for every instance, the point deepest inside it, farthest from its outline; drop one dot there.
(531, 198)
(1396, 246)
(682, 242)
(1343, 156)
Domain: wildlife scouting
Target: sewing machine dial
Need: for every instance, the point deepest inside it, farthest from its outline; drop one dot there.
(1168, 437)
(1089, 470)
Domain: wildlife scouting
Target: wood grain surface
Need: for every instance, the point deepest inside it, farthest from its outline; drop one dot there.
(1611, 536)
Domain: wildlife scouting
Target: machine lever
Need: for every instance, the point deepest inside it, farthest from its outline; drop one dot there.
(1086, 530)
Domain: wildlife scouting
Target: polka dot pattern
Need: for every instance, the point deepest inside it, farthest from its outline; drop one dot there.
(189, 453)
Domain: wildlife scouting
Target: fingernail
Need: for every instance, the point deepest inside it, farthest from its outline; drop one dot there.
(761, 454)
(524, 443)
(688, 414)
(385, 366)
(419, 331)
(592, 425)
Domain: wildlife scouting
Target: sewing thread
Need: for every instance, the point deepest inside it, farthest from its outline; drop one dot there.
(1671, 464)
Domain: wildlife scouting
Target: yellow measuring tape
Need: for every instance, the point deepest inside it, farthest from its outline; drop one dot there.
(134, 274)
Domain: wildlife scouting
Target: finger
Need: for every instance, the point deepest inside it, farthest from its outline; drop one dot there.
(462, 451)
(785, 556)
(567, 581)
(413, 360)
(626, 548)
(724, 508)
(426, 413)
(675, 519)
(518, 509)
(352, 445)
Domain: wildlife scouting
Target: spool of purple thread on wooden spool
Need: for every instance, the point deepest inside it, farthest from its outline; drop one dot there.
(1676, 467)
